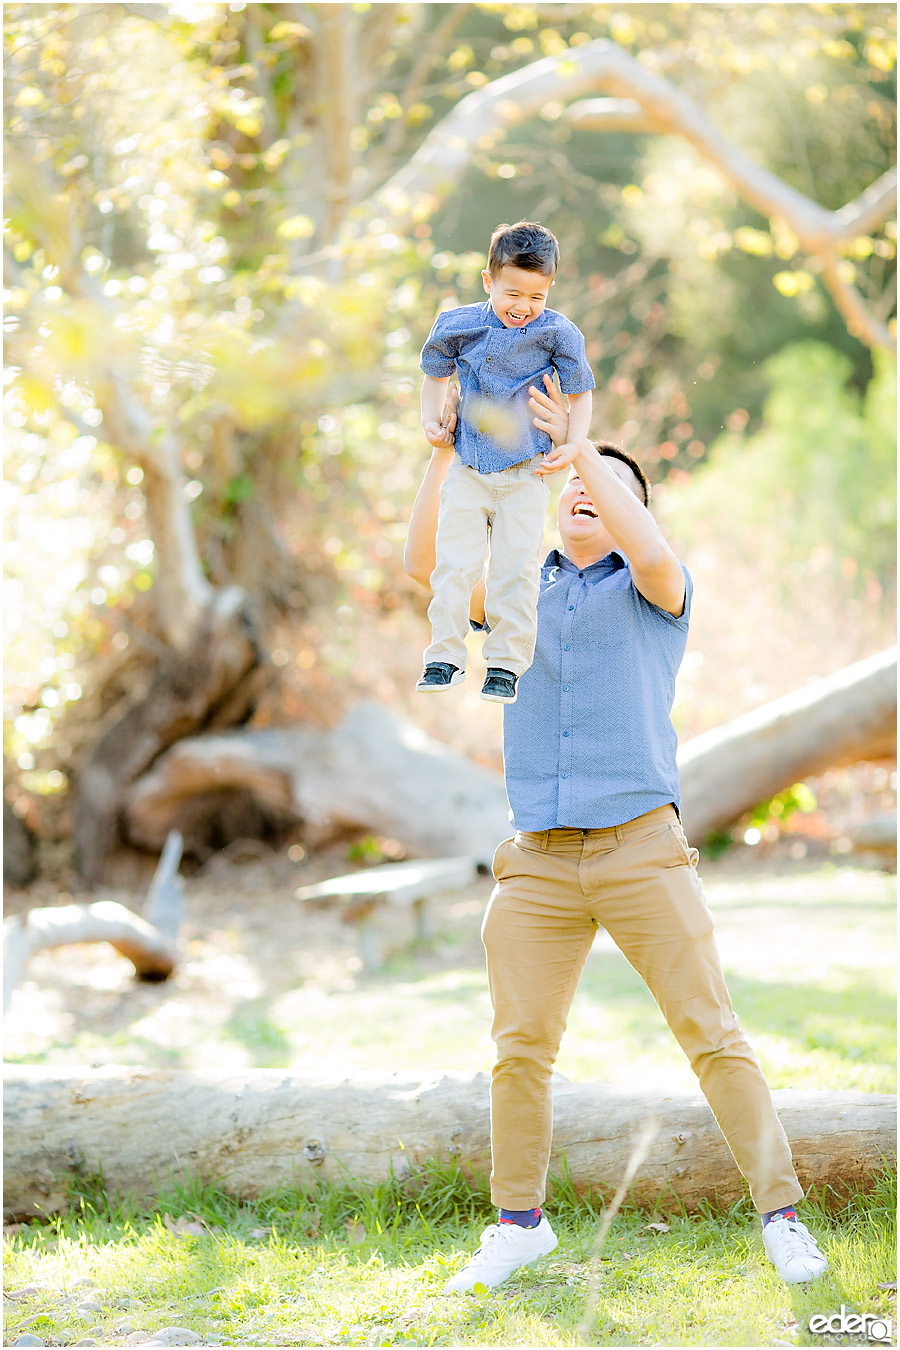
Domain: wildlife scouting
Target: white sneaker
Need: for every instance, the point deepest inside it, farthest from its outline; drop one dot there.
(792, 1250)
(504, 1248)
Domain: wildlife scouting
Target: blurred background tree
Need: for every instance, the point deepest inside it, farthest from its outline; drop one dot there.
(229, 228)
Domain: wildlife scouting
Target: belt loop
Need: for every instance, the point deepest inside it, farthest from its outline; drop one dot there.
(545, 842)
(619, 834)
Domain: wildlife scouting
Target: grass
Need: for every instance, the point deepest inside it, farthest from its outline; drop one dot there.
(808, 954)
(363, 1266)
(809, 960)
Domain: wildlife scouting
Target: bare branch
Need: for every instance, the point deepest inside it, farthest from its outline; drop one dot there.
(870, 209)
(612, 114)
(183, 590)
(642, 101)
(861, 322)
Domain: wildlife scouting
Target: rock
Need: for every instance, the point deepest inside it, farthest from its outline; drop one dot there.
(84, 1283)
(137, 1337)
(87, 1307)
(86, 1340)
(27, 1291)
(28, 1339)
(176, 1336)
(123, 1329)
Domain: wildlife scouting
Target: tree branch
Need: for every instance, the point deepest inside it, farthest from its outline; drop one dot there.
(861, 322)
(643, 102)
(869, 209)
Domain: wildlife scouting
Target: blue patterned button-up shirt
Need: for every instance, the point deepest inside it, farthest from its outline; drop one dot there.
(495, 365)
(589, 742)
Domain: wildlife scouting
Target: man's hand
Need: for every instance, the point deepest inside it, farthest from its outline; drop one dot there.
(560, 457)
(552, 413)
(440, 435)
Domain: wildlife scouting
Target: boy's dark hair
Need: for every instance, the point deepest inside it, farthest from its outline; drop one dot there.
(616, 452)
(525, 245)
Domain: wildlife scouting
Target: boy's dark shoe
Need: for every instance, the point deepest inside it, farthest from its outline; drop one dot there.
(500, 686)
(439, 675)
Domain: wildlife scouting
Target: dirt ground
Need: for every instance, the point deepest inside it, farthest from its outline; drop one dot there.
(267, 980)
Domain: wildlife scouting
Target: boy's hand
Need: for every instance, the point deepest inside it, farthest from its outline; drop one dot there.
(560, 457)
(552, 413)
(440, 435)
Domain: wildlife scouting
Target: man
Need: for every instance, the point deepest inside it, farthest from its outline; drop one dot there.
(589, 760)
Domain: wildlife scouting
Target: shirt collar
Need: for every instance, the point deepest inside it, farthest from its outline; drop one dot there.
(492, 321)
(612, 562)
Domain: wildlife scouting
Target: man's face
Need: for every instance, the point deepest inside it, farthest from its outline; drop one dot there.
(517, 296)
(578, 521)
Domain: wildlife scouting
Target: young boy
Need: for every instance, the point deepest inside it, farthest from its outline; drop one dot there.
(495, 490)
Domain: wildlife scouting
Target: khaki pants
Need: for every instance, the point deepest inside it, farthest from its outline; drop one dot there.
(639, 882)
(507, 509)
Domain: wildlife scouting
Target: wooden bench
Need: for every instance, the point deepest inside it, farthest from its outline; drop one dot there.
(406, 885)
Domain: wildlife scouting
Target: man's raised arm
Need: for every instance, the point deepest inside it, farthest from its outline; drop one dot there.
(419, 552)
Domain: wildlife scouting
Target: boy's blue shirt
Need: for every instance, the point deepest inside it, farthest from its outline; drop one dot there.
(495, 365)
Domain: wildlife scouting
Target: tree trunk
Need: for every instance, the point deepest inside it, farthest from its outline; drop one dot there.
(840, 720)
(260, 1129)
(375, 772)
(372, 772)
(19, 865)
(213, 682)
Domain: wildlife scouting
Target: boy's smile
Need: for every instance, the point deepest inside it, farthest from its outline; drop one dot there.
(517, 296)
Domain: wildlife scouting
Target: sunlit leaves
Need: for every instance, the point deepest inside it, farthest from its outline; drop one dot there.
(793, 283)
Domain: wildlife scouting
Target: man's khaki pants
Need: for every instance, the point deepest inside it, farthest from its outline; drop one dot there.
(639, 882)
(508, 509)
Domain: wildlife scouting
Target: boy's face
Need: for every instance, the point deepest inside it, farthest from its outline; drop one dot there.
(517, 296)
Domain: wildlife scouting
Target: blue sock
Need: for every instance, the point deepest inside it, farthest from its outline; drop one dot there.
(524, 1218)
(788, 1212)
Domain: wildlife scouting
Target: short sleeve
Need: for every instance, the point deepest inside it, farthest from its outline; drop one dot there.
(438, 357)
(570, 360)
(683, 619)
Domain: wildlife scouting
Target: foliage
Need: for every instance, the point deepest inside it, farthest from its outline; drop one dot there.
(191, 261)
(820, 470)
(355, 1265)
(785, 528)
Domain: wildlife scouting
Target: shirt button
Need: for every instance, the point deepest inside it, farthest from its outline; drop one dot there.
(563, 775)
(566, 647)
(571, 607)
(490, 358)
(565, 688)
(565, 733)
(581, 574)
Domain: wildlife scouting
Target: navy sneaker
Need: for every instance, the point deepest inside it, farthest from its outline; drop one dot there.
(439, 675)
(500, 686)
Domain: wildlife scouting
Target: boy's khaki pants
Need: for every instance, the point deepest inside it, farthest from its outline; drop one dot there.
(639, 882)
(508, 509)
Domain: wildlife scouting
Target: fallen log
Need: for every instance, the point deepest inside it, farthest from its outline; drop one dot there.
(372, 772)
(376, 772)
(260, 1129)
(149, 941)
(840, 720)
(153, 954)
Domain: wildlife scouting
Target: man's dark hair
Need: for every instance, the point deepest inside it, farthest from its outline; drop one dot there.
(525, 245)
(616, 452)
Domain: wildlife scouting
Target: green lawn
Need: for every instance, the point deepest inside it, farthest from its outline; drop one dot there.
(809, 956)
(354, 1267)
